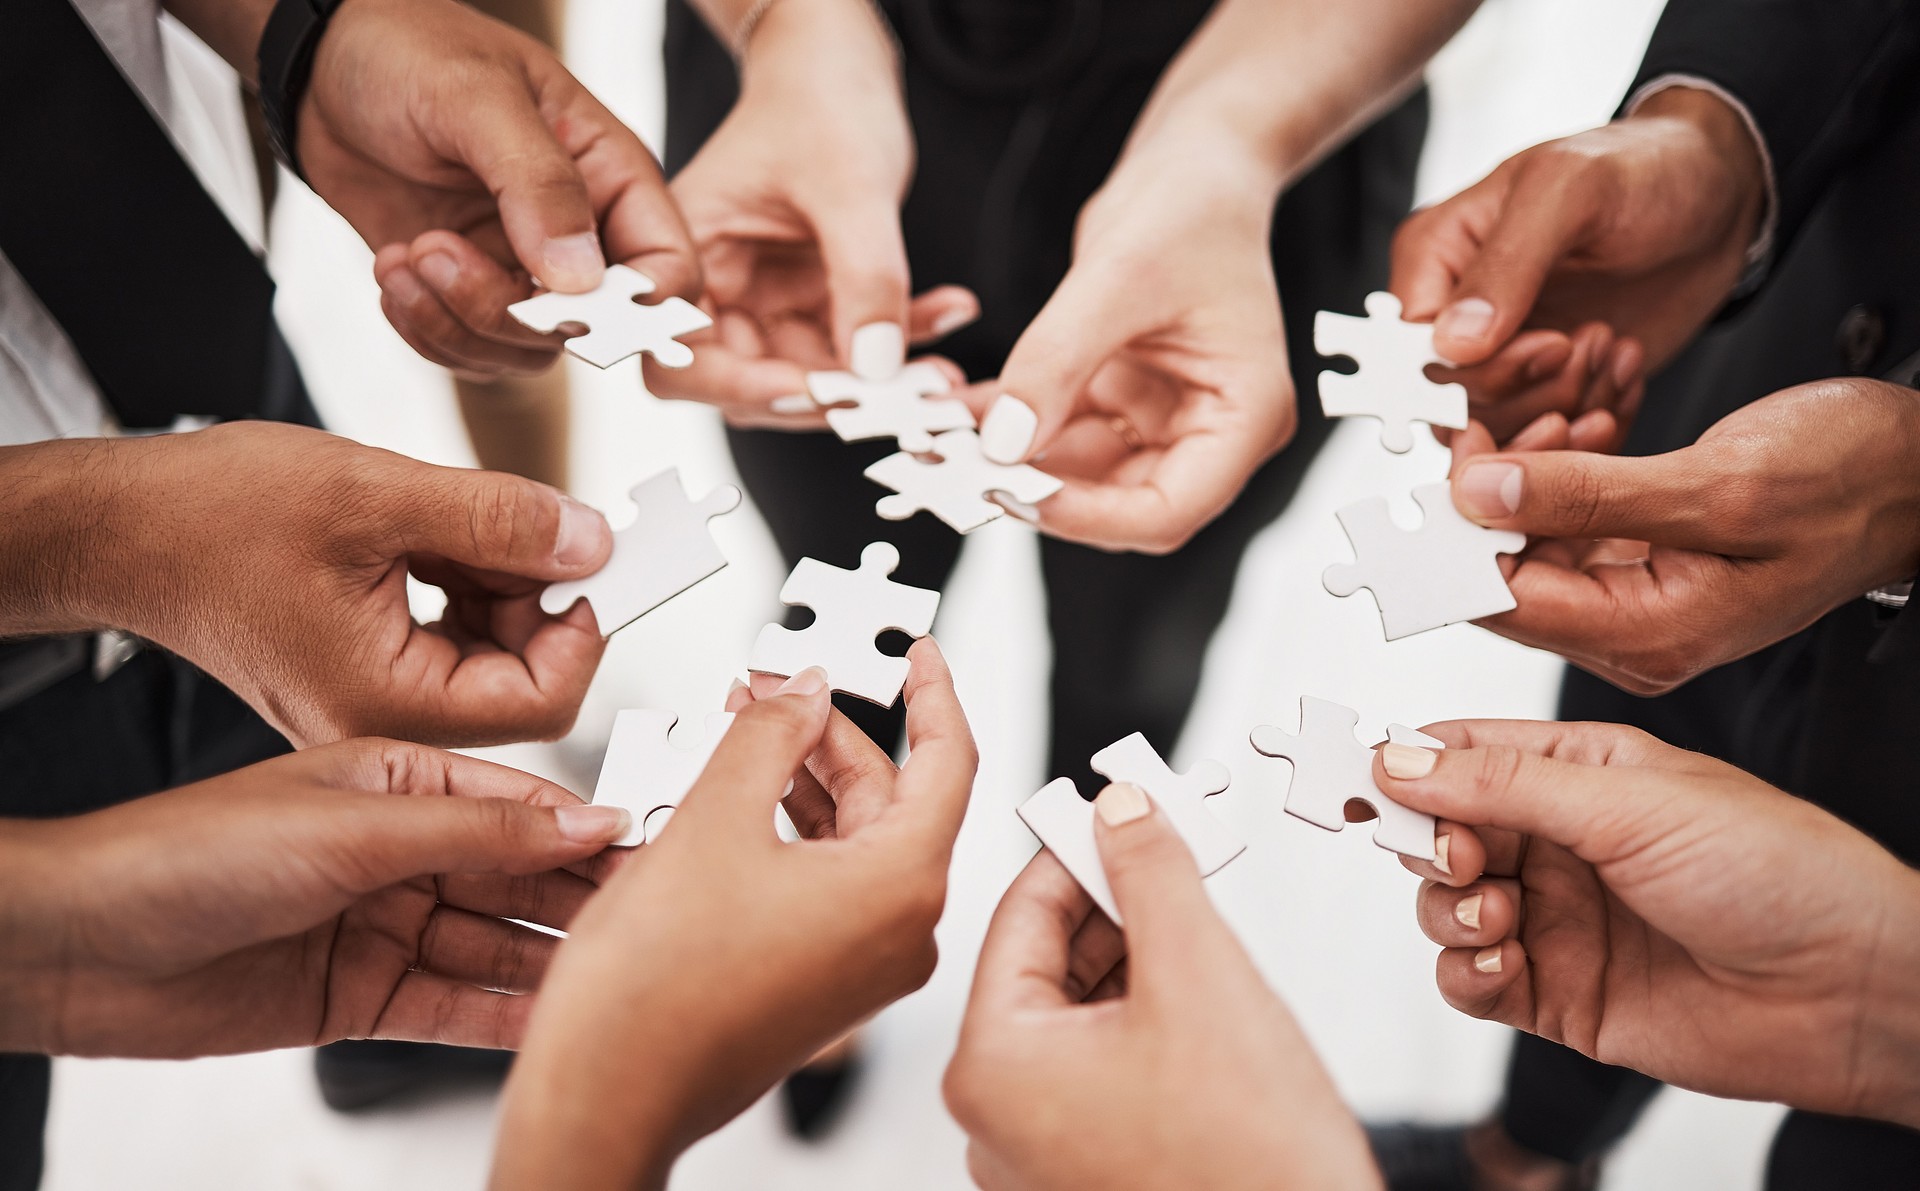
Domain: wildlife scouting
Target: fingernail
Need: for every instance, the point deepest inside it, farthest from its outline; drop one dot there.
(439, 270)
(572, 263)
(1406, 761)
(954, 319)
(810, 681)
(404, 288)
(878, 351)
(590, 824)
(735, 685)
(1549, 361)
(1625, 367)
(1441, 844)
(793, 403)
(1007, 434)
(1122, 802)
(1469, 319)
(582, 532)
(1487, 959)
(1489, 491)
(1467, 912)
(1018, 508)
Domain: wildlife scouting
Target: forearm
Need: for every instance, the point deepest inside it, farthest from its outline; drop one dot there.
(58, 540)
(1888, 1045)
(1285, 83)
(231, 28)
(848, 31)
(28, 934)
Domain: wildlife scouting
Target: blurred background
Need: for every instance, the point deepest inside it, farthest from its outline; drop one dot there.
(1329, 917)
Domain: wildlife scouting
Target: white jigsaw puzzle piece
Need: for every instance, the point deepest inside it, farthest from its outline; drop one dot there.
(1063, 821)
(850, 611)
(955, 487)
(647, 773)
(1443, 573)
(1332, 768)
(1392, 384)
(617, 326)
(667, 549)
(901, 407)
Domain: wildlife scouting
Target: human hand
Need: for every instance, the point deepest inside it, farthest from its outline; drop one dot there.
(276, 558)
(794, 203)
(1660, 910)
(1648, 571)
(468, 158)
(1157, 1059)
(358, 890)
(1631, 235)
(1154, 381)
(720, 959)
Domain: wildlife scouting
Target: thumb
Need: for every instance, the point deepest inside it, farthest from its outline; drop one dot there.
(1499, 286)
(1170, 921)
(753, 767)
(544, 206)
(1049, 367)
(499, 522)
(1670, 500)
(867, 285)
(396, 838)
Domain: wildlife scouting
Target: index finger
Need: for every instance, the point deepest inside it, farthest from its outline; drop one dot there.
(937, 779)
(1025, 960)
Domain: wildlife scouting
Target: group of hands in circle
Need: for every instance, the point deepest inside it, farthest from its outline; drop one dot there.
(1646, 906)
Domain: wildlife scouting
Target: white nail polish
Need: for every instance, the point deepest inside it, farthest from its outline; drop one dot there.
(1007, 434)
(793, 403)
(878, 351)
(953, 320)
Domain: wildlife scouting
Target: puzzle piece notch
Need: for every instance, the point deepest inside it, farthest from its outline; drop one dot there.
(1332, 768)
(646, 772)
(955, 487)
(1392, 383)
(666, 549)
(902, 407)
(1182, 795)
(617, 325)
(1443, 573)
(851, 609)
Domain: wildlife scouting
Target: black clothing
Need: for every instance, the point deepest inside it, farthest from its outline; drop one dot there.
(1020, 108)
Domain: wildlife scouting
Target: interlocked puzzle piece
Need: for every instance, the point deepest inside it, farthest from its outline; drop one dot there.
(1392, 383)
(1332, 768)
(1063, 820)
(901, 407)
(850, 611)
(666, 550)
(617, 325)
(1443, 573)
(646, 773)
(955, 487)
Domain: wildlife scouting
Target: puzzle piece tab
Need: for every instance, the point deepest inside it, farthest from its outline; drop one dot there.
(1443, 573)
(1332, 768)
(1392, 384)
(667, 549)
(850, 611)
(1063, 821)
(617, 325)
(646, 773)
(954, 488)
(901, 407)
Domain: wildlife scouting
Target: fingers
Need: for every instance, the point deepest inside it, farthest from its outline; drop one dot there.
(523, 679)
(1174, 935)
(491, 521)
(1674, 499)
(937, 779)
(483, 951)
(1026, 957)
(1478, 915)
(768, 740)
(1186, 486)
(940, 312)
(867, 285)
(1541, 217)
(427, 1007)
(1050, 365)
(1490, 982)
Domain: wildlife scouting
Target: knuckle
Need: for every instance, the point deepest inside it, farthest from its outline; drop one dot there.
(1574, 499)
(1498, 768)
(505, 519)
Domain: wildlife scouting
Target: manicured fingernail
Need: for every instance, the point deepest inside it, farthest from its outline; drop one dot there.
(1487, 959)
(954, 319)
(1007, 434)
(810, 681)
(1018, 508)
(572, 263)
(1441, 844)
(1469, 319)
(735, 685)
(439, 270)
(1490, 491)
(1122, 802)
(590, 824)
(583, 531)
(1406, 761)
(1467, 912)
(793, 403)
(1625, 366)
(878, 351)
(404, 288)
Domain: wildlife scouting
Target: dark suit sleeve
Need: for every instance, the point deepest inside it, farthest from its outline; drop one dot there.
(1823, 79)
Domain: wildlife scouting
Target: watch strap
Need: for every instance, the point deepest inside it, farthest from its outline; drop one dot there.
(285, 59)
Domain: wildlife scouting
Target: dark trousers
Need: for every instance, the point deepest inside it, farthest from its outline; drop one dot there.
(1010, 147)
(82, 745)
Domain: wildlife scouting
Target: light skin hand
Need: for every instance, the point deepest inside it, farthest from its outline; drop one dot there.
(276, 558)
(720, 959)
(1632, 235)
(358, 890)
(794, 204)
(1155, 1059)
(1649, 571)
(1660, 910)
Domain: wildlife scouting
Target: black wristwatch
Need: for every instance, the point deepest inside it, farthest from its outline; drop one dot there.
(286, 64)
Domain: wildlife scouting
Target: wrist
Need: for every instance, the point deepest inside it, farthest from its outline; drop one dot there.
(32, 927)
(60, 545)
(1889, 1046)
(790, 40)
(1734, 161)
